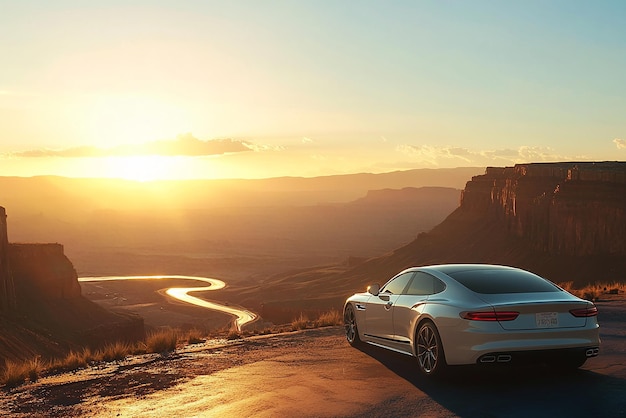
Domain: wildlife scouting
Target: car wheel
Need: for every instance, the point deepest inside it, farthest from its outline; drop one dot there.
(429, 351)
(349, 322)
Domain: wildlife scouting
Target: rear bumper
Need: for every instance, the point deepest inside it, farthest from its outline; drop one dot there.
(467, 346)
(538, 356)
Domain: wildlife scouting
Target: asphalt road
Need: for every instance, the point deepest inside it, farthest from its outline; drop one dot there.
(317, 374)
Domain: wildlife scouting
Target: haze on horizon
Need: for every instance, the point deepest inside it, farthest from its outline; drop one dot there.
(245, 89)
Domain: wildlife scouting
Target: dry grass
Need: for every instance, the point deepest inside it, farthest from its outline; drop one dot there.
(326, 319)
(115, 352)
(16, 373)
(595, 291)
(34, 369)
(301, 322)
(329, 319)
(194, 336)
(73, 360)
(234, 333)
(162, 341)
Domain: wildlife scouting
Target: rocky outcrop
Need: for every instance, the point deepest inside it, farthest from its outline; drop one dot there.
(7, 291)
(44, 272)
(573, 209)
(42, 311)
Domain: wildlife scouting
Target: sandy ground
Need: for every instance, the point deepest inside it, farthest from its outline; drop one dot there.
(316, 373)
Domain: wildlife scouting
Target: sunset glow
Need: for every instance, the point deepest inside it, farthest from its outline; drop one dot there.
(377, 87)
(141, 168)
(131, 120)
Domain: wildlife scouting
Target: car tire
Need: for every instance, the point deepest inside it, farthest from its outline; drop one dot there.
(431, 359)
(351, 327)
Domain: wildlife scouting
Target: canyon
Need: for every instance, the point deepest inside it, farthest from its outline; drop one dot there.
(565, 221)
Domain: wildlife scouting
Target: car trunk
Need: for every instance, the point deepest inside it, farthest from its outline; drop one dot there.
(549, 310)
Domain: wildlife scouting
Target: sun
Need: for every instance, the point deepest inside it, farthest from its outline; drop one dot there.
(141, 168)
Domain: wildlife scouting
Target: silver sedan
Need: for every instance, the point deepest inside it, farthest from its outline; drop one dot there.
(458, 314)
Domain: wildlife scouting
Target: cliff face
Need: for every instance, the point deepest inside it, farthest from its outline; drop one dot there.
(44, 272)
(572, 209)
(7, 291)
(42, 311)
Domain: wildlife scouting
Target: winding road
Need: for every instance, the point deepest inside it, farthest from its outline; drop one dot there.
(242, 316)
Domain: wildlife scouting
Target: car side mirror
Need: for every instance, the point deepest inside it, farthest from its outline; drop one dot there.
(373, 289)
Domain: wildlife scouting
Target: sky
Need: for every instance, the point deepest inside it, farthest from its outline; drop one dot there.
(264, 88)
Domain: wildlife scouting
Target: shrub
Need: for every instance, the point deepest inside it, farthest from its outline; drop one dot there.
(594, 291)
(34, 369)
(233, 333)
(329, 319)
(74, 360)
(194, 336)
(162, 341)
(116, 351)
(14, 374)
(302, 322)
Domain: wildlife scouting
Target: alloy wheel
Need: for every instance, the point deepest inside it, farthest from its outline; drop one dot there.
(428, 349)
(349, 321)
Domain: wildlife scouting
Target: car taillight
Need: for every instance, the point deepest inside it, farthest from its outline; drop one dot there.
(490, 316)
(584, 312)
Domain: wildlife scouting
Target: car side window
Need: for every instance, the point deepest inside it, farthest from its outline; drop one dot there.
(396, 286)
(425, 284)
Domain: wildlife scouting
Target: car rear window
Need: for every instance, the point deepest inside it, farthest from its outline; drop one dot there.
(502, 281)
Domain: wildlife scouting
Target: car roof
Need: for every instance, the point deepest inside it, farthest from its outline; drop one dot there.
(456, 268)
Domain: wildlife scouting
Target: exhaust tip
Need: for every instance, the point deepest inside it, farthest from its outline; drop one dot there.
(495, 358)
(592, 352)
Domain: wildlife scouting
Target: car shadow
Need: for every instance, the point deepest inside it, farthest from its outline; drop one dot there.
(510, 391)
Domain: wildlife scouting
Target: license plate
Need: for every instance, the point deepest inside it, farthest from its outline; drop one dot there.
(547, 319)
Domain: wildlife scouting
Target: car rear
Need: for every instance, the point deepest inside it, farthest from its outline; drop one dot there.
(524, 317)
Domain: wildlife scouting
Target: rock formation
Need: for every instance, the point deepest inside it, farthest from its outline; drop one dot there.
(572, 209)
(44, 272)
(7, 291)
(42, 311)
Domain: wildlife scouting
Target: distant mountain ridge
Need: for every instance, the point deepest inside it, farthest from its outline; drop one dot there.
(22, 195)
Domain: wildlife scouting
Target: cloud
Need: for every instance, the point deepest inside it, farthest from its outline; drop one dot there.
(265, 147)
(183, 145)
(423, 153)
(446, 156)
(620, 143)
(69, 153)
